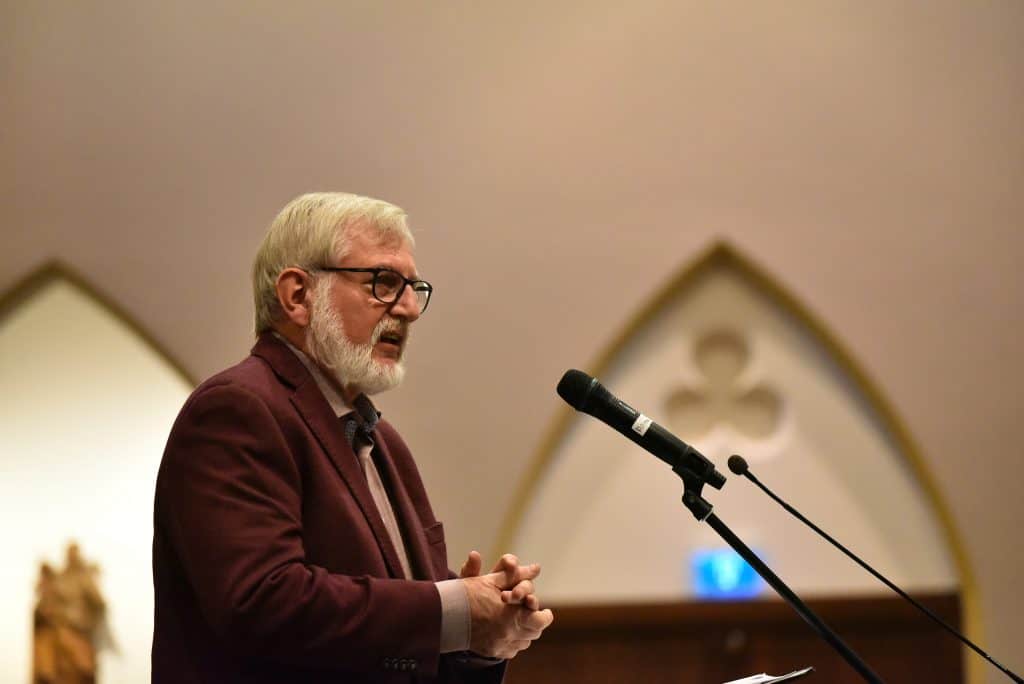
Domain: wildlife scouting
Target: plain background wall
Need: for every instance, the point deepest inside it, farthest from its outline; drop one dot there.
(560, 162)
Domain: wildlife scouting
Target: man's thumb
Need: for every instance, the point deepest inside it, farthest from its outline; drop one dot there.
(472, 566)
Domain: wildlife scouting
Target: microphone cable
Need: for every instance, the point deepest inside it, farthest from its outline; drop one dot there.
(739, 466)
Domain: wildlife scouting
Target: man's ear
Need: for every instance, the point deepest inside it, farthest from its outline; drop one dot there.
(293, 285)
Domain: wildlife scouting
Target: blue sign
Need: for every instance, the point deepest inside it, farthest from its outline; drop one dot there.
(722, 574)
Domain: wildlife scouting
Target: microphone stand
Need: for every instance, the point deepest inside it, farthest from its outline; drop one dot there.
(738, 465)
(693, 484)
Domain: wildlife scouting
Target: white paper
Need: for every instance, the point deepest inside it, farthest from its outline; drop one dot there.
(766, 678)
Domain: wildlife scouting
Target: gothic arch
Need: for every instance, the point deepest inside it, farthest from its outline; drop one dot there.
(723, 257)
(55, 270)
(88, 397)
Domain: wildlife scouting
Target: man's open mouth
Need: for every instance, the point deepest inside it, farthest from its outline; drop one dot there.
(392, 338)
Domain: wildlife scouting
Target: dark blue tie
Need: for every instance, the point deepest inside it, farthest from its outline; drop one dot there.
(362, 421)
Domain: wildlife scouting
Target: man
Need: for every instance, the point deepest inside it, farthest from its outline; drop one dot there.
(293, 539)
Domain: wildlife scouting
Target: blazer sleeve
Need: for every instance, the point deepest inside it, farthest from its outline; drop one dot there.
(229, 500)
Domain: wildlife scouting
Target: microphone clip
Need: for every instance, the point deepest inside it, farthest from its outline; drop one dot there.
(693, 486)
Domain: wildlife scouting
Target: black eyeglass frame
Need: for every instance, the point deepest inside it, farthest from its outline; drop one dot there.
(417, 285)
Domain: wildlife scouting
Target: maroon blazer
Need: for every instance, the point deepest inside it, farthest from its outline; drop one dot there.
(270, 560)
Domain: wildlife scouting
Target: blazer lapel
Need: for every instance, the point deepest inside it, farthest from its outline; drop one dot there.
(414, 537)
(309, 401)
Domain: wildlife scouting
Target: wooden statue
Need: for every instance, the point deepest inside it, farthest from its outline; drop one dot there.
(70, 622)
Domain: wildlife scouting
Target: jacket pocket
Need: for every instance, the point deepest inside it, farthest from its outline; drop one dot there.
(438, 551)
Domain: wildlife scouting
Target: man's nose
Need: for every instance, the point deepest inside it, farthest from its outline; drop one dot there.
(406, 306)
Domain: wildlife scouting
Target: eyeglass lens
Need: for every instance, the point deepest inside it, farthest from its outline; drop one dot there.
(388, 284)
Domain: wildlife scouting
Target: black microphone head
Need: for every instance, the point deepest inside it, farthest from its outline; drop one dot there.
(575, 388)
(738, 464)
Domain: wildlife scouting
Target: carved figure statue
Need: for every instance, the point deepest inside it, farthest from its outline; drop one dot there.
(70, 624)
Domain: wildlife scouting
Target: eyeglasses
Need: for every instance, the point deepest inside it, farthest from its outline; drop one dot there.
(389, 285)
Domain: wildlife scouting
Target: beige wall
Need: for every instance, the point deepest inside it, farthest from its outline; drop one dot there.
(561, 161)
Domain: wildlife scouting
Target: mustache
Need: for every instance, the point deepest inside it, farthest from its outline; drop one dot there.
(392, 326)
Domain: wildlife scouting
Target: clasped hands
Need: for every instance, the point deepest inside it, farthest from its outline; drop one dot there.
(505, 613)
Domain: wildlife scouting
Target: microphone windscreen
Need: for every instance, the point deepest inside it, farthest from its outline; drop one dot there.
(738, 464)
(574, 387)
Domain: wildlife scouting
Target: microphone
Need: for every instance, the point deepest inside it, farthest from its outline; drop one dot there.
(587, 395)
(738, 465)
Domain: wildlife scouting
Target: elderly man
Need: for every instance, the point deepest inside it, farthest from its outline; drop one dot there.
(293, 539)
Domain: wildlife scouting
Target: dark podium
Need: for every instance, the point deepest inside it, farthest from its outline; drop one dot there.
(710, 642)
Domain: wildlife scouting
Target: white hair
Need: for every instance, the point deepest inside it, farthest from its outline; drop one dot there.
(315, 230)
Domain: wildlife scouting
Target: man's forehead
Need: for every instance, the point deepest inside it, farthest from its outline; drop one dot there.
(368, 243)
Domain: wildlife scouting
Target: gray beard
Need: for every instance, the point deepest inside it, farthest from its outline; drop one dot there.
(352, 365)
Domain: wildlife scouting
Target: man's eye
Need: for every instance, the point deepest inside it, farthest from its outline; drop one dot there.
(388, 280)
